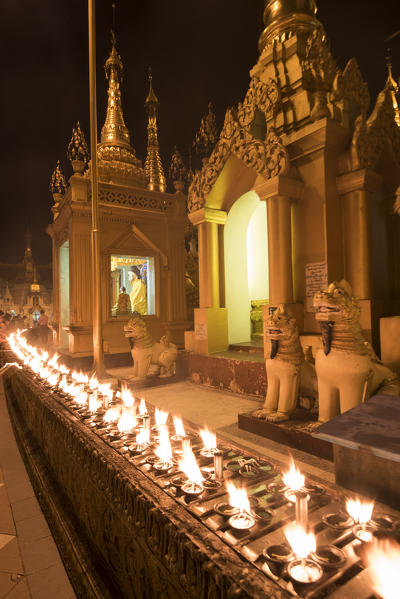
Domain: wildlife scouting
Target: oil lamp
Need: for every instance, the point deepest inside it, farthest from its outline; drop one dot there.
(142, 441)
(361, 512)
(163, 451)
(179, 429)
(303, 569)
(239, 499)
(294, 481)
(188, 465)
(210, 443)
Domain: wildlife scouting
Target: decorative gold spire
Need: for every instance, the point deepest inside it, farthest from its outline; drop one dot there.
(117, 160)
(393, 88)
(114, 130)
(153, 165)
(177, 170)
(284, 17)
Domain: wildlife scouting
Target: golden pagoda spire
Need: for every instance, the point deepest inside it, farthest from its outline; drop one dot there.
(114, 130)
(153, 165)
(116, 159)
(393, 88)
(284, 17)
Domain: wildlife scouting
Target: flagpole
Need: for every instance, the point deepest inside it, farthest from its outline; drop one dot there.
(98, 358)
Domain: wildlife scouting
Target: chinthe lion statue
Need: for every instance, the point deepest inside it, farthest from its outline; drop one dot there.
(348, 370)
(289, 374)
(149, 358)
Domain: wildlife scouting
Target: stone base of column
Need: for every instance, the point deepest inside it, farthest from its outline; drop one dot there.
(210, 330)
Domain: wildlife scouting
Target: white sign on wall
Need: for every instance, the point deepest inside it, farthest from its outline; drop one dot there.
(201, 331)
(316, 280)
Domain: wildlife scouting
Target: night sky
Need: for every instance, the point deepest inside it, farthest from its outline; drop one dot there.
(199, 51)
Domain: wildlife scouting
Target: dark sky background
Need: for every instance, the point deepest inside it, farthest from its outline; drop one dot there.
(199, 50)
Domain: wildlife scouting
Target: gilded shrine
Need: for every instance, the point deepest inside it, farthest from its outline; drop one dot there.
(298, 190)
(142, 235)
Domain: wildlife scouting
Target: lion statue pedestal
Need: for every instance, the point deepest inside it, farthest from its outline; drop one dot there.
(149, 357)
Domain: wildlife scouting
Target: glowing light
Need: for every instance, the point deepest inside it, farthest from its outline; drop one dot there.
(127, 397)
(81, 398)
(238, 497)
(293, 478)
(163, 449)
(142, 407)
(383, 558)
(94, 403)
(93, 383)
(112, 415)
(143, 437)
(127, 421)
(179, 428)
(189, 466)
(209, 439)
(301, 542)
(161, 417)
(361, 512)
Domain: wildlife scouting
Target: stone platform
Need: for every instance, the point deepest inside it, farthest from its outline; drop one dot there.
(293, 433)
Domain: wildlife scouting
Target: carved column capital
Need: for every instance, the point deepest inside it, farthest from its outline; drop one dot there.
(361, 179)
(280, 186)
(208, 215)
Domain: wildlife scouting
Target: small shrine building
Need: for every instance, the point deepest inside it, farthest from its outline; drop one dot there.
(299, 189)
(142, 235)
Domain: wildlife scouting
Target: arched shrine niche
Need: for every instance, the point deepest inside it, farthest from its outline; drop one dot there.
(246, 263)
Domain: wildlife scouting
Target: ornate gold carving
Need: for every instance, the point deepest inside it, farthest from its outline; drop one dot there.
(269, 158)
(264, 96)
(207, 135)
(125, 198)
(177, 169)
(318, 63)
(372, 134)
(350, 85)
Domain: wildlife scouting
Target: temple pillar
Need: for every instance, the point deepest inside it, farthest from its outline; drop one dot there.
(210, 319)
(356, 189)
(279, 192)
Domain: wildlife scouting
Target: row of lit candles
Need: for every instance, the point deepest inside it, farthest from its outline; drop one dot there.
(383, 556)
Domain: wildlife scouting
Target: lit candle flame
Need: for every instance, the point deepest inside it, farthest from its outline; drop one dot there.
(94, 403)
(293, 478)
(161, 417)
(383, 558)
(81, 398)
(179, 428)
(163, 449)
(189, 466)
(53, 379)
(361, 512)
(93, 383)
(238, 497)
(112, 415)
(143, 437)
(127, 397)
(301, 542)
(209, 439)
(142, 407)
(127, 421)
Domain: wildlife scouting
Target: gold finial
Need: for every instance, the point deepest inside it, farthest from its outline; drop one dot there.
(153, 165)
(114, 130)
(77, 151)
(284, 17)
(57, 181)
(177, 169)
(207, 136)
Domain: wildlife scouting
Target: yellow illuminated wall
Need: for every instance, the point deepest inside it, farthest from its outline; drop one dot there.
(64, 293)
(246, 263)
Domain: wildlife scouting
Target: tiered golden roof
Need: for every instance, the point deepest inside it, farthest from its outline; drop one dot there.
(117, 160)
(153, 165)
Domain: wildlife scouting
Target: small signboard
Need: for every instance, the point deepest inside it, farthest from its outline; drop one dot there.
(201, 331)
(316, 280)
